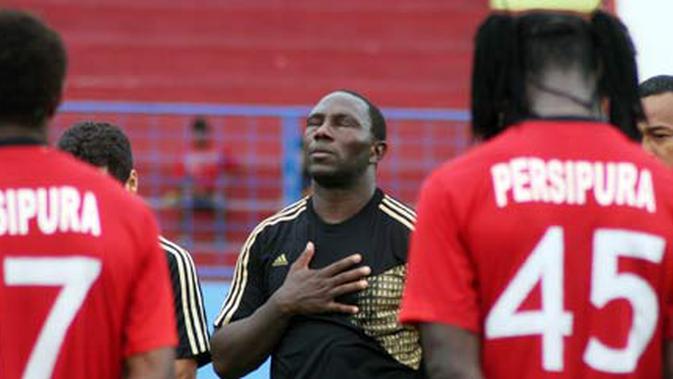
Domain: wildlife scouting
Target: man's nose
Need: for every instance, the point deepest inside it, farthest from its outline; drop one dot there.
(323, 131)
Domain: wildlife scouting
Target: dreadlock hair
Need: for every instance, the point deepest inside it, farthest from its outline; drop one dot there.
(509, 50)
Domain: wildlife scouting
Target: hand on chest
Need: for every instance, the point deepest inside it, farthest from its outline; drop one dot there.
(326, 253)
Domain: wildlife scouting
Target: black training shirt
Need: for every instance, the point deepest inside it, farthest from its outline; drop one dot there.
(371, 344)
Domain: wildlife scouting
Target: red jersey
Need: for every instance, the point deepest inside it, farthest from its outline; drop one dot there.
(204, 166)
(552, 242)
(83, 281)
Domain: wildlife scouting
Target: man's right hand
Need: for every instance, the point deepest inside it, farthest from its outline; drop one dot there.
(308, 291)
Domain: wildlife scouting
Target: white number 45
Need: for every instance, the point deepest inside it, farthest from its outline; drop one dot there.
(75, 275)
(552, 322)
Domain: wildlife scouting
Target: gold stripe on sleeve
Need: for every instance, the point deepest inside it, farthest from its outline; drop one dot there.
(237, 289)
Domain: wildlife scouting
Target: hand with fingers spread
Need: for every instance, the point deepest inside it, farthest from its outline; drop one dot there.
(309, 291)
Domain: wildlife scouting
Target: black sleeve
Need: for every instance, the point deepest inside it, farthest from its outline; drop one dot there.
(247, 291)
(190, 317)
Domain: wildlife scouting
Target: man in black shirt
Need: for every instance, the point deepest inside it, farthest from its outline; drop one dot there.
(317, 286)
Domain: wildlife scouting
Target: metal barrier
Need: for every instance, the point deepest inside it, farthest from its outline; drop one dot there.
(265, 141)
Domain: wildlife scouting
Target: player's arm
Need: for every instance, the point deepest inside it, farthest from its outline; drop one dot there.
(155, 364)
(440, 294)
(193, 341)
(185, 368)
(240, 346)
(668, 360)
(450, 352)
(149, 327)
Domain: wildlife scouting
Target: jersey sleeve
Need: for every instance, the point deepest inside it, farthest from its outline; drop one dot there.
(150, 323)
(193, 339)
(440, 285)
(247, 291)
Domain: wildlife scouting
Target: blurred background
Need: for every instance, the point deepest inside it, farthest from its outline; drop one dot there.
(249, 71)
(213, 94)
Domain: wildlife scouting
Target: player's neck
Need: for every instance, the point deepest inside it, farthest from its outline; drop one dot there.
(335, 205)
(8, 131)
(554, 108)
(560, 93)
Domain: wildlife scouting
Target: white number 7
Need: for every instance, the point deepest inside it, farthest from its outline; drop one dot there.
(76, 275)
(552, 322)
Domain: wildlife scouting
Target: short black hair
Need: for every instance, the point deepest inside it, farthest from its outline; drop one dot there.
(100, 144)
(375, 115)
(656, 85)
(509, 49)
(32, 69)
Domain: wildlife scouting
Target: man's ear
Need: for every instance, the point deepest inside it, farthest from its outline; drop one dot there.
(52, 108)
(379, 149)
(131, 184)
(604, 106)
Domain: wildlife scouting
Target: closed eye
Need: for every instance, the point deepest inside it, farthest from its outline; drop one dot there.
(314, 121)
(345, 120)
(659, 132)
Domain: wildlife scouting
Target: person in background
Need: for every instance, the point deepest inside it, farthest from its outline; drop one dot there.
(84, 288)
(656, 95)
(106, 147)
(201, 172)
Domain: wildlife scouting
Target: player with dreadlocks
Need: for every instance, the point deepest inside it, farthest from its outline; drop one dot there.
(546, 252)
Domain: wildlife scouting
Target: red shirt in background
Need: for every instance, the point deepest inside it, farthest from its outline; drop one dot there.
(204, 165)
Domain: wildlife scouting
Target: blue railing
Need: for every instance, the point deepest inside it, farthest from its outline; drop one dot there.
(290, 116)
(420, 139)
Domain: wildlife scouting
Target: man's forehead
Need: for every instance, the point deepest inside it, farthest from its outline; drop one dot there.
(659, 101)
(659, 108)
(341, 102)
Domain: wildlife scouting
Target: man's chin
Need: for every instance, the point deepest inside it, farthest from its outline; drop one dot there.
(331, 179)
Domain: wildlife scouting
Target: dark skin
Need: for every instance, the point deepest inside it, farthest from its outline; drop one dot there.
(454, 353)
(668, 360)
(450, 352)
(341, 157)
(155, 364)
(13, 131)
(36, 132)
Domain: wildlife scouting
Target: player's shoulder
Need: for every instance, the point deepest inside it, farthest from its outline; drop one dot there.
(397, 212)
(286, 217)
(174, 251)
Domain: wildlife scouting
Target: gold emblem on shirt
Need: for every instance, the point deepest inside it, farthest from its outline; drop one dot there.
(379, 308)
